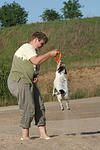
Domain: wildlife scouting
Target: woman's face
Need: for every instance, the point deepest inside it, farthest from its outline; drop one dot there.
(39, 44)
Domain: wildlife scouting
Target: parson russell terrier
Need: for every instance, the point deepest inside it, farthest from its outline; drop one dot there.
(60, 88)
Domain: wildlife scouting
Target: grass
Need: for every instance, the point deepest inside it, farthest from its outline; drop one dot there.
(79, 94)
(77, 39)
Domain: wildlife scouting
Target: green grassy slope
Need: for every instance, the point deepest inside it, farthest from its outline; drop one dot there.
(77, 39)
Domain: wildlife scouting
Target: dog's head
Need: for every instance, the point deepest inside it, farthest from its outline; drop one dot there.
(61, 67)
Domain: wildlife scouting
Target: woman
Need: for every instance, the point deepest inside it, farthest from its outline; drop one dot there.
(22, 83)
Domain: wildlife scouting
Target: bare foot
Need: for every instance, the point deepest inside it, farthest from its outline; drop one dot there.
(25, 134)
(46, 138)
(43, 133)
(25, 138)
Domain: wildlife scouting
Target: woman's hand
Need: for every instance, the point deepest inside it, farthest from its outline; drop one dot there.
(35, 80)
(54, 52)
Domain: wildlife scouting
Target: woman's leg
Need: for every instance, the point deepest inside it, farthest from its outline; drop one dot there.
(40, 119)
(43, 132)
(27, 108)
(25, 134)
(24, 95)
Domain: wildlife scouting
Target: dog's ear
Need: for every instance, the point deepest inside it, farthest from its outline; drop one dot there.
(65, 71)
(59, 70)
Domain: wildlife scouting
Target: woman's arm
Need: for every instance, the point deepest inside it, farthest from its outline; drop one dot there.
(37, 60)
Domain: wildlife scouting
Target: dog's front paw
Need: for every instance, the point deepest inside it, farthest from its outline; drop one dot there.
(62, 108)
(68, 108)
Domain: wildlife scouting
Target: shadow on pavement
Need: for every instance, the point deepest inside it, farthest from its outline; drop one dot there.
(87, 133)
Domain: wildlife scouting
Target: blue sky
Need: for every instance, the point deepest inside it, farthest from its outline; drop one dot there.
(36, 7)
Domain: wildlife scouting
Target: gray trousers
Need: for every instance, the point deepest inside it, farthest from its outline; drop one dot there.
(30, 103)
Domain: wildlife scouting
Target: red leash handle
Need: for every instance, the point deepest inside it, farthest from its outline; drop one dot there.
(58, 59)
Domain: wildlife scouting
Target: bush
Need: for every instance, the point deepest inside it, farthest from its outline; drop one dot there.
(5, 97)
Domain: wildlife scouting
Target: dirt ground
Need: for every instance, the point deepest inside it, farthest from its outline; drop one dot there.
(74, 129)
(85, 79)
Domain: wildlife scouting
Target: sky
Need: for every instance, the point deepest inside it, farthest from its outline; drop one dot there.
(37, 7)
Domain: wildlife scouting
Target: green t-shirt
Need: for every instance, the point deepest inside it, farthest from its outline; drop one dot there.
(21, 65)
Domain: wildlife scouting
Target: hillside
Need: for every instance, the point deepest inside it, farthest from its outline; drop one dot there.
(77, 39)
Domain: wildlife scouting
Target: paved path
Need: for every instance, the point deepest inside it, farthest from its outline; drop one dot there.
(75, 129)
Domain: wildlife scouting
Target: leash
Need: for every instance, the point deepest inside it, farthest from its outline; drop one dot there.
(58, 59)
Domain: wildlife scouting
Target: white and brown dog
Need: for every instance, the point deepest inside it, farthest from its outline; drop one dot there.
(60, 88)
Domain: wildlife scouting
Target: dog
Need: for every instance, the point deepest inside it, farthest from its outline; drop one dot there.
(60, 88)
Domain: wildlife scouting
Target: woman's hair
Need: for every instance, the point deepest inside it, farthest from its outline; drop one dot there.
(40, 36)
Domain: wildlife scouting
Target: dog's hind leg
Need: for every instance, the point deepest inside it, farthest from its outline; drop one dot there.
(67, 100)
(67, 104)
(60, 101)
